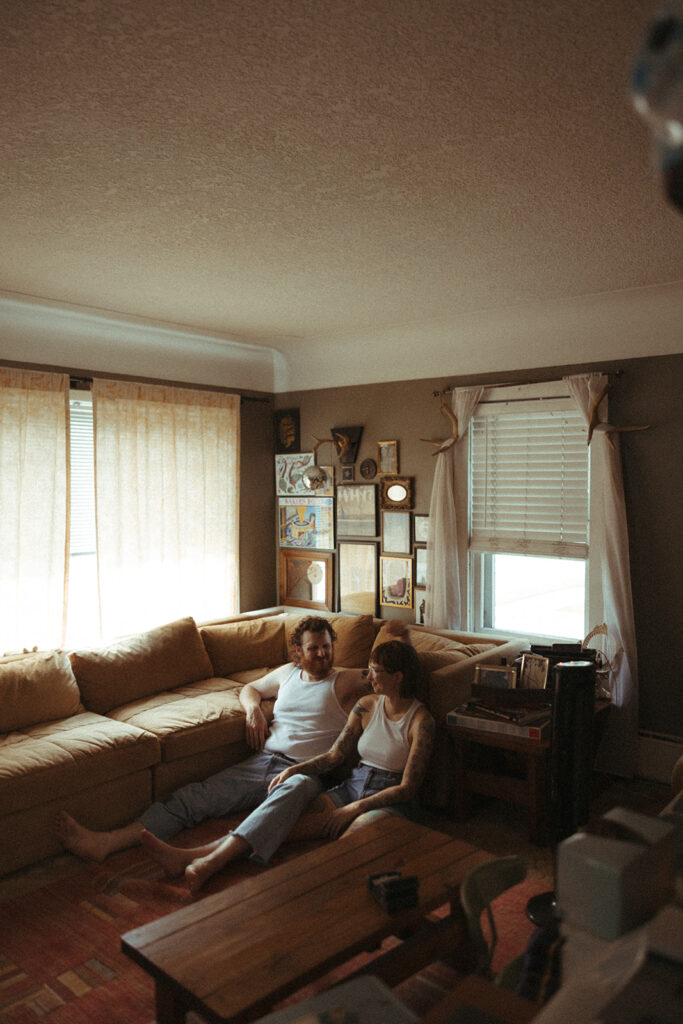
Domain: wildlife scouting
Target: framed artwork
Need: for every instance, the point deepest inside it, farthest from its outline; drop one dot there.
(348, 474)
(396, 582)
(306, 522)
(502, 676)
(420, 529)
(357, 577)
(306, 579)
(287, 430)
(396, 492)
(420, 566)
(356, 510)
(387, 457)
(533, 674)
(396, 533)
(289, 471)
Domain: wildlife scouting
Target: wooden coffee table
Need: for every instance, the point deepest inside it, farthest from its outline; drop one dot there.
(232, 955)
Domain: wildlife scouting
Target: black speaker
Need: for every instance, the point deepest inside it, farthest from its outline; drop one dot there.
(571, 747)
(571, 766)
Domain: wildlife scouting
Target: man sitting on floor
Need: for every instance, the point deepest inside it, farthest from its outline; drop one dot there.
(312, 703)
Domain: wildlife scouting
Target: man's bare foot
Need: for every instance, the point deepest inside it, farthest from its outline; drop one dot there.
(80, 840)
(174, 861)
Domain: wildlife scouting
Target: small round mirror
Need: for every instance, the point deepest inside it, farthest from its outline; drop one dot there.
(397, 492)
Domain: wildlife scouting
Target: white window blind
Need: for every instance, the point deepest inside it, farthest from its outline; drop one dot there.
(529, 479)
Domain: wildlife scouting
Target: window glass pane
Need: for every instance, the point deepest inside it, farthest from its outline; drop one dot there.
(541, 596)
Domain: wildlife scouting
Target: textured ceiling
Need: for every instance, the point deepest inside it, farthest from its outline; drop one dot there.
(292, 173)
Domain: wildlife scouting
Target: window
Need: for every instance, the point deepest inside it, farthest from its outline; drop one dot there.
(529, 513)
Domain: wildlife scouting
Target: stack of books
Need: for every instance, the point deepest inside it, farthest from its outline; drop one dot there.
(525, 715)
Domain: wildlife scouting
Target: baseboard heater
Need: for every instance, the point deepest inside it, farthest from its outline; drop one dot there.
(657, 754)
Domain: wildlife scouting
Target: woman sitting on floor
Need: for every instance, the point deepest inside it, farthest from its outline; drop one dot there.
(389, 730)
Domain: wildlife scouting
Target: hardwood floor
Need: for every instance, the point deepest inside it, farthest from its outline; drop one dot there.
(501, 828)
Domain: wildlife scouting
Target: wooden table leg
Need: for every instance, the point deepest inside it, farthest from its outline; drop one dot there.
(461, 798)
(171, 1004)
(537, 780)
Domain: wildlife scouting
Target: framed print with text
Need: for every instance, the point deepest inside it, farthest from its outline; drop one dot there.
(306, 522)
(357, 577)
(356, 510)
(306, 579)
(396, 582)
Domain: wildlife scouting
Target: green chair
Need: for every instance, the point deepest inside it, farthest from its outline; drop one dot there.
(479, 888)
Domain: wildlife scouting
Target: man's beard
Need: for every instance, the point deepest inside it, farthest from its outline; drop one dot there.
(316, 667)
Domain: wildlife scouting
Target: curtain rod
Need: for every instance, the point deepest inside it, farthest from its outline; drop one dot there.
(517, 383)
(84, 383)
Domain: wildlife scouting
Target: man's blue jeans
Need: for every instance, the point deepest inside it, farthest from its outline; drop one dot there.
(241, 787)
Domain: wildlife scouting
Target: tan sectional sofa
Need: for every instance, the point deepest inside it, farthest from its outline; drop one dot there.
(103, 732)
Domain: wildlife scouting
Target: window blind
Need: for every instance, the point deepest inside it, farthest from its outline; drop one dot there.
(529, 481)
(82, 537)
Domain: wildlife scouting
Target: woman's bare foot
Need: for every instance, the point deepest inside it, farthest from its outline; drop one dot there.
(200, 871)
(81, 840)
(173, 860)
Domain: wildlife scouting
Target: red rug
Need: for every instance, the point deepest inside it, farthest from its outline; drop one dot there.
(60, 955)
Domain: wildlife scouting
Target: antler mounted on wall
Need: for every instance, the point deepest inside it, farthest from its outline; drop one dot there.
(443, 446)
(608, 428)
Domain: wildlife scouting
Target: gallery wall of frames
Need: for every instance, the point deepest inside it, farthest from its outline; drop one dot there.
(356, 546)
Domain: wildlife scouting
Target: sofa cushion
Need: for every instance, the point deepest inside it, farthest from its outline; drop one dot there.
(52, 761)
(252, 643)
(189, 720)
(355, 635)
(37, 688)
(140, 665)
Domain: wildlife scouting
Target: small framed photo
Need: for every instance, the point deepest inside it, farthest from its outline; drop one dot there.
(420, 529)
(306, 579)
(356, 510)
(421, 567)
(502, 676)
(533, 674)
(396, 533)
(396, 492)
(387, 457)
(306, 522)
(348, 474)
(396, 582)
(357, 577)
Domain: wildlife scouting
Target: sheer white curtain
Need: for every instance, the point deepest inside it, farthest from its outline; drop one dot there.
(610, 582)
(33, 508)
(446, 598)
(167, 501)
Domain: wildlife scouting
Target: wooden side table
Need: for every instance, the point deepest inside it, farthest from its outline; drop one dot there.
(468, 777)
(530, 790)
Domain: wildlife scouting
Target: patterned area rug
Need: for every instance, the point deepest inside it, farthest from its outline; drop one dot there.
(60, 957)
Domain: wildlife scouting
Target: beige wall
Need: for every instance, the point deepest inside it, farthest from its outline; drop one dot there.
(647, 391)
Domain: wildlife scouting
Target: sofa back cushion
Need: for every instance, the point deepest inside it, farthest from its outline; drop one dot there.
(251, 643)
(140, 665)
(355, 635)
(37, 688)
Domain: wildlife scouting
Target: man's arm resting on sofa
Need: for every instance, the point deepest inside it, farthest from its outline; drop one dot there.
(250, 697)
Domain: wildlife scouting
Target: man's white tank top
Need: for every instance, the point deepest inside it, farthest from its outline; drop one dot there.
(307, 717)
(385, 744)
